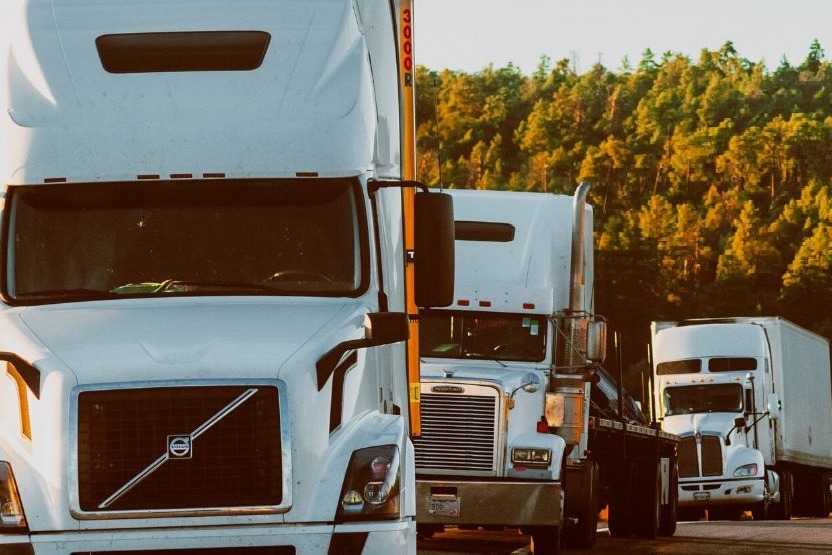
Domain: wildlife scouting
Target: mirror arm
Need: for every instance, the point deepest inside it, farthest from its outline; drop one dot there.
(327, 364)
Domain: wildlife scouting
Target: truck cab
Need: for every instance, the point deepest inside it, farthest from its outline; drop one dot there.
(205, 286)
(711, 386)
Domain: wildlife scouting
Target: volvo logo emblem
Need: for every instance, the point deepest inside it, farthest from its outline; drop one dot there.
(179, 447)
(447, 389)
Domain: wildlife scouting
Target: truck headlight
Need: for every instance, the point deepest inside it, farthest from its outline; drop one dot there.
(371, 486)
(12, 518)
(531, 456)
(746, 471)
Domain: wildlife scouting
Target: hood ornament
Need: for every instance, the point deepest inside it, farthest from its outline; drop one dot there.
(448, 373)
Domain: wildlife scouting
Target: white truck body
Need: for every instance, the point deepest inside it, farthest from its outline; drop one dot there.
(775, 377)
(203, 283)
(506, 374)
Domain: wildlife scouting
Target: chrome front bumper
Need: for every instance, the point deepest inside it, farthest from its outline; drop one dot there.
(489, 503)
(719, 492)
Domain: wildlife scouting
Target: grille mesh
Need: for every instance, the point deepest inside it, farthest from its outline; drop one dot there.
(457, 433)
(711, 456)
(237, 462)
(689, 458)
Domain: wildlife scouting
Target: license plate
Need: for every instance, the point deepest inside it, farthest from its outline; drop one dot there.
(701, 496)
(444, 505)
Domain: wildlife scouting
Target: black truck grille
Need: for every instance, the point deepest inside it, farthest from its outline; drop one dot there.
(457, 433)
(141, 435)
(689, 462)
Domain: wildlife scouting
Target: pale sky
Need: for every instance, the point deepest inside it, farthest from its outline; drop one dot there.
(467, 35)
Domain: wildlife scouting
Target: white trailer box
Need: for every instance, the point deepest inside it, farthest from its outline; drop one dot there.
(801, 385)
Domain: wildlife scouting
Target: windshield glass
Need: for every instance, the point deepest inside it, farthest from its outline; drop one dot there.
(691, 399)
(93, 241)
(483, 336)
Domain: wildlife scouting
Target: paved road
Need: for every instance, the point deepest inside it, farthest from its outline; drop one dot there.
(810, 536)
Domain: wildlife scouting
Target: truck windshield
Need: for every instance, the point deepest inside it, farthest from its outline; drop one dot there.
(691, 399)
(186, 237)
(483, 336)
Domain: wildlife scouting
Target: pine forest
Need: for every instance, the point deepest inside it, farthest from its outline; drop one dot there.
(710, 177)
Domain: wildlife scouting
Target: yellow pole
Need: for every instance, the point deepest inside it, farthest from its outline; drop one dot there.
(407, 78)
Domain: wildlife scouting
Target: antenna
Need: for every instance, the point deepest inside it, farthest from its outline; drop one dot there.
(436, 129)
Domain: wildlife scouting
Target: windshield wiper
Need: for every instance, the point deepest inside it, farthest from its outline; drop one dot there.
(79, 293)
(180, 286)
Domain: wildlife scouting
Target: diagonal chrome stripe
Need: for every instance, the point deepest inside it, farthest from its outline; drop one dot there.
(229, 408)
(201, 429)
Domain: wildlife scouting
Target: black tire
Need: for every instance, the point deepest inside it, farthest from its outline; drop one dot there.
(784, 509)
(669, 515)
(760, 511)
(545, 540)
(647, 525)
(582, 534)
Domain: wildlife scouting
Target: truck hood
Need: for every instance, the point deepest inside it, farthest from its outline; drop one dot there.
(181, 338)
(714, 423)
(507, 375)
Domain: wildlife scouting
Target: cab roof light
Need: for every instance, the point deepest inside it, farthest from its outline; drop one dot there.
(528, 306)
(181, 176)
(148, 176)
(485, 304)
(55, 180)
(463, 302)
(306, 174)
(213, 175)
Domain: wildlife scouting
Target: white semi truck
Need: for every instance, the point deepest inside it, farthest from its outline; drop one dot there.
(209, 228)
(516, 428)
(751, 399)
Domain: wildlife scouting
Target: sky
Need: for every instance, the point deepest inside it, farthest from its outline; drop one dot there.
(468, 35)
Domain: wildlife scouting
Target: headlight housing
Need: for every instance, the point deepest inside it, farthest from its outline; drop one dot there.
(531, 456)
(371, 485)
(12, 519)
(746, 471)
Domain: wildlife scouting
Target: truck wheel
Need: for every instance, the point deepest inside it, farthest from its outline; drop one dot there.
(670, 513)
(545, 540)
(783, 510)
(647, 527)
(582, 535)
